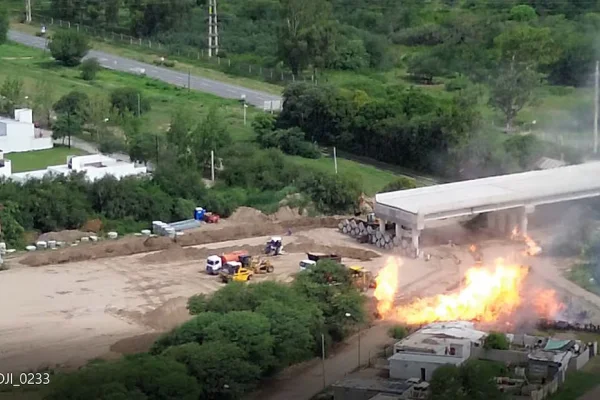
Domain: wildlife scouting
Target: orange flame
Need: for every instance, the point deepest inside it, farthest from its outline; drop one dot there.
(488, 295)
(546, 305)
(387, 283)
(532, 247)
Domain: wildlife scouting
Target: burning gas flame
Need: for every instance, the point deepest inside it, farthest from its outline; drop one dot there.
(546, 305)
(532, 247)
(387, 283)
(487, 296)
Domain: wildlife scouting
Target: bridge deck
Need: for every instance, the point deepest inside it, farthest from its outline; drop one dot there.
(494, 193)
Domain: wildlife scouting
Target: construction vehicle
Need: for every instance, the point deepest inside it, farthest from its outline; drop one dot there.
(215, 263)
(363, 279)
(257, 265)
(211, 218)
(234, 271)
(313, 258)
(274, 246)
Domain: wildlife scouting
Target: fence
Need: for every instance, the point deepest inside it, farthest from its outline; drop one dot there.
(198, 56)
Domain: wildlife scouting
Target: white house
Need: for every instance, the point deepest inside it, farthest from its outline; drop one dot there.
(19, 134)
(5, 166)
(427, 349)
(96, 166)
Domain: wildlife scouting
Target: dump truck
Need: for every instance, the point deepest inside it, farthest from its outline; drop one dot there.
(313, 258)
(214, 263)
(257, 265)
(236, 272)
(363, 279)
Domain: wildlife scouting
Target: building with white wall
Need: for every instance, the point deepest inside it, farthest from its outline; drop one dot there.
(433, 346)
(5, 166)
(95, 166)
(19, 134)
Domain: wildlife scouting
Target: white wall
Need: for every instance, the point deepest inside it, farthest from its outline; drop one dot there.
(6, 170)
(24, 115)
(20, 137)
(401, 369)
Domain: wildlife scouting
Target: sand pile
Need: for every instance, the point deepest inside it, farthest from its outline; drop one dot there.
(285, 213)
(67, 236)
(248, 215)
(136, 245)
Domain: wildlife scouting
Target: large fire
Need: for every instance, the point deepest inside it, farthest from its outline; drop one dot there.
(487, 296)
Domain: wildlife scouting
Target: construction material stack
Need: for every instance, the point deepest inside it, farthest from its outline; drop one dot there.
(369, 231)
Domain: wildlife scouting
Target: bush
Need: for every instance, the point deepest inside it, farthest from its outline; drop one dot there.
(399, 184)
(496, 340)
(69, 47)
(165, 63)
(129, 100)
(398, 332)
(4, 24)
(89, 69)
(331, 193)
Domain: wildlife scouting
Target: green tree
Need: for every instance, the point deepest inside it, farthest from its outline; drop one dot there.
(330, 192)
(75, 103)
(43, 102)
(11, 230)
(251, 332)
(197, 304)
(446, 383)
(398, 332)
(399, 184)
(496, 340)
(4, 24)
(210, 135)
(425, 66)
(298, 17)
(129, 100)
(192, 331)
(89, 69)
(219, 367)
(69, 47)
(11, 94)
(523, 13)
(139, 377)
(66, 126)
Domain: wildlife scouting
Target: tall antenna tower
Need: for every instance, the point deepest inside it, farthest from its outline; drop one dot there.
(213, 29)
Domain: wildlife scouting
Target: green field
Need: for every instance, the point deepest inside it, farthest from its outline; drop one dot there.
(35, 65)
(40, 159)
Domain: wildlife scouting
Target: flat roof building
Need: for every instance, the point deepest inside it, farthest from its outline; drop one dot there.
(20, 134)
(421, 353)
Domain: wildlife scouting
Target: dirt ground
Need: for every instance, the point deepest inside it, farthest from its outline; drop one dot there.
(116, 297)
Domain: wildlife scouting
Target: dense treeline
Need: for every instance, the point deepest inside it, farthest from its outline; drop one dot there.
(237, 336)
(356, 34)
(409, 127)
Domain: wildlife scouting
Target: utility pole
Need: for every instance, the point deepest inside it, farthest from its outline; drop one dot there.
(335, 159)
(213, 29)
(28, 11)
(212, 165)
(323, 359)
(596, 95)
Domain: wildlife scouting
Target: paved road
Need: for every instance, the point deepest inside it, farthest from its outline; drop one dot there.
(110, 61)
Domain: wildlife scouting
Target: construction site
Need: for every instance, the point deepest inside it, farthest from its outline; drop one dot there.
(106, 298)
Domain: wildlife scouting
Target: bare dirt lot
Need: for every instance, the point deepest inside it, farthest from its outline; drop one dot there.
(105, 299)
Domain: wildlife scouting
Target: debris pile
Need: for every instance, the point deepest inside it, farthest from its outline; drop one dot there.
(367, 232)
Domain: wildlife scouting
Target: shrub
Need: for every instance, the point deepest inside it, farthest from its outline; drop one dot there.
(129, 100)
(398, 332)
(399, 184)
(496, 340)
(89, 69)
(69, 47)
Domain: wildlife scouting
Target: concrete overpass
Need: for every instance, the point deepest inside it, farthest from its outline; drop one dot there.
(506, 198)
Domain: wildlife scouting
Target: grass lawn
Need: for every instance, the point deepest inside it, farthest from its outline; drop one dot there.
(40, 159)
(580, 382)
(145, 54)
(35, 65)
(581, 275)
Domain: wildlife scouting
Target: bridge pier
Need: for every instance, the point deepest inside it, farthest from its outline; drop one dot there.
(505, 221)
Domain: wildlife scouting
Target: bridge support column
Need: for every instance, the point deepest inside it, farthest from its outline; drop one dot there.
(382, 223)
(415, 233)
(512, 218)
(501, 219)
(523, 220)
(491, 220)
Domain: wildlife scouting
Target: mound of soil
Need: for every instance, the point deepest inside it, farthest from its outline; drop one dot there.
(136, 245)
(67, 236)
(286, 213)
(248, 215)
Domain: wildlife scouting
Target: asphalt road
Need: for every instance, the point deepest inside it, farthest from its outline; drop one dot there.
(110, 61)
